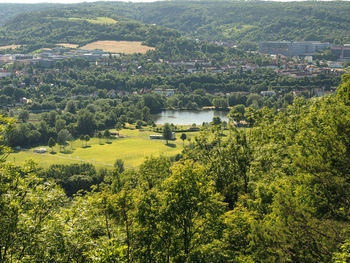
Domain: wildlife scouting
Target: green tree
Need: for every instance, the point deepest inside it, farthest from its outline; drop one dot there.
(70, 107)
(23, 116)
(107, 135)
(183, 137)
(51, 143)
(193, 208)
(139, 124)
(99, 136)
(86, 123)
(27, 205)
(118, 126)
(167, 133)
(60, 125)
(237, 113)
(86, 138)
(121, 209)
(6, 128)
(119, 165)
(82, 138)
(216, 121)
(62, 137)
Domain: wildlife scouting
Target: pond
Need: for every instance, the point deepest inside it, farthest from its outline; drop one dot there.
(188, 117)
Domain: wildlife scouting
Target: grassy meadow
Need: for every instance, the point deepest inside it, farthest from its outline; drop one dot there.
(97, 20)
(9, 47)
(132, 149)
(126, 47)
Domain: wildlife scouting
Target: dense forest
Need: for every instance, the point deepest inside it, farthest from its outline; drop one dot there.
(8, 11)
(276, 192)
(245, 23)
(78, 26)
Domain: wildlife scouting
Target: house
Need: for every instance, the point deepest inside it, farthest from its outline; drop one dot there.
(40, 150)
(192, 70)
(112, 94)
(268, 93)
(4, 74)
(23, 100)
(158, 91)
(160, 137)
(169, 92)
(114, 133)
(156, 137)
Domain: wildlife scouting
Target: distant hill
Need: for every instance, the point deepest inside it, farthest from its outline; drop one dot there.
(78, 25)
(246, 21)
(241, 22)
(8, 11)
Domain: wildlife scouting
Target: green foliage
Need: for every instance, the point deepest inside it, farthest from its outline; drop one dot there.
(79, 25)
(167, 133)
(23, 116)
(6, 126)
(63, 136)
(183, 137)
(27, 205)
(51, 143)
(248, 22)
(343, 91)
(73, 178)
(119, 166)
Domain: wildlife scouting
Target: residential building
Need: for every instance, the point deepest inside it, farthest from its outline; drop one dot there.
(292, 48)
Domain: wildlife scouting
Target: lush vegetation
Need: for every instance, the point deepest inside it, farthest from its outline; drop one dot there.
(246, 22)
(270, 185)
(8, 11)
(101, 151)
(276, 192)
(77, 26)
(79, 99)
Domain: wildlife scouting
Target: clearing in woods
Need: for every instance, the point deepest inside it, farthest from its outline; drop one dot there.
(97, 20)
(126, 47)
(9, 47)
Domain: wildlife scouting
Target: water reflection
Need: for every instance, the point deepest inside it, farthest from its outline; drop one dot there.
(188, 117)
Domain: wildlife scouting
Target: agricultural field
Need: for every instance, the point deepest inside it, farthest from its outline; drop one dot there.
(132, 149)
(67, 45)
(9, 47)
(126, 47)
(97, 20)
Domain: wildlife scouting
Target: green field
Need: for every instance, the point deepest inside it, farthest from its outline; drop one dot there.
(132, 149)
(97, 20)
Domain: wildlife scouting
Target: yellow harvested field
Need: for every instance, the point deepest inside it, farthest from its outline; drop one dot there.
(67, 45)
(125, 47)
(97, 20)
(10, 47)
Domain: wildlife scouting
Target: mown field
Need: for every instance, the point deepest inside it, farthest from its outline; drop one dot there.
(126, 47)
(132, 150)
(9, 47)
(97, 20)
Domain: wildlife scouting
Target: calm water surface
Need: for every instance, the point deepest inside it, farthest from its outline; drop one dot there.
(188, 117)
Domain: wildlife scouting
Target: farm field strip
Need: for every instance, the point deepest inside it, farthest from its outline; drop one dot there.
(9, 47)
(126, 47)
